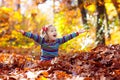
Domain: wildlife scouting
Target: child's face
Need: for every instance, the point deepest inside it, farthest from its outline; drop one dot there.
(52, 33)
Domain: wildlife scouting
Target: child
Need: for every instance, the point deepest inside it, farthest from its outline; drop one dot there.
(49, 41)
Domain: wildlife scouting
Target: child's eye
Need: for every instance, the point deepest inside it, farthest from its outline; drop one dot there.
(51, 30)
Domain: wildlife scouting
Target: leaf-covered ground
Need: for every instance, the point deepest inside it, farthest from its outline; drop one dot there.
(101, 63)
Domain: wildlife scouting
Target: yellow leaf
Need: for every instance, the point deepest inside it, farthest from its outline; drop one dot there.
(42, 78)
(91, 8)
(17, 16)
(6, 9)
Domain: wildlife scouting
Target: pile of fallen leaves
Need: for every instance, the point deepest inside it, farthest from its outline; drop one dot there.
(101, 63)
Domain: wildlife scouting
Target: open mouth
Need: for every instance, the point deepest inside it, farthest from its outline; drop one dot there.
(54, 35)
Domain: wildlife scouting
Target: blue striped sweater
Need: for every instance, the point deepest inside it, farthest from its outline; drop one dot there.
(50, 50)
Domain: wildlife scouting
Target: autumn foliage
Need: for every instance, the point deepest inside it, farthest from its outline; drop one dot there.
(19, 56)
(101, 63)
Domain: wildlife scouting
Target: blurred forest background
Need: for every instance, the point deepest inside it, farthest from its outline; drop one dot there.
(100, 17)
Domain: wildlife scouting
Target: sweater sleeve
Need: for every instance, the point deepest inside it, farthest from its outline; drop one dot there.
(35, 37)
(67, 37)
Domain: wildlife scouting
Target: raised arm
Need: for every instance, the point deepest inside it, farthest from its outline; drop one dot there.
(70, 36)
(35, 37)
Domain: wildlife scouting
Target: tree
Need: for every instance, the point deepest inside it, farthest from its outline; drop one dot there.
(100, 34)
(17, 5)
(108, 27)
(83, 12)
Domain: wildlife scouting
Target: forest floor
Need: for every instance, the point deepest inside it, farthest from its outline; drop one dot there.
(101, 63)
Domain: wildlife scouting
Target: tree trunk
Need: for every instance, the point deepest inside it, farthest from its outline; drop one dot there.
(100, 35)
(18, 5)
(83, 13)
(108, 27)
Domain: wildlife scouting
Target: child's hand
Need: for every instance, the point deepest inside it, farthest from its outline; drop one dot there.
(21, 31)
(81, 31)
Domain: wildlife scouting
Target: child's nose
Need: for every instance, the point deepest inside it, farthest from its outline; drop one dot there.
(54, 32)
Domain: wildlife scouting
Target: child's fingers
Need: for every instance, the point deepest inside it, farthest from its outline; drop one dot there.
(81, 31)
(86, 30)
(21, 31)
